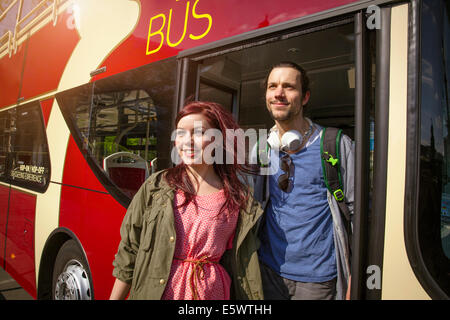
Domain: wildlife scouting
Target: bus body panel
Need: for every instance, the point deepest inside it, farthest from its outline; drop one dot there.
(398, 277)
(95, 218)
(93, 215)
(19, 255)
(83, 176)
(153, 40)
(121, 35)
(4, 201)
(46, 59)
(99, 34)
(11, 76)
(47, 210)
(46, 106)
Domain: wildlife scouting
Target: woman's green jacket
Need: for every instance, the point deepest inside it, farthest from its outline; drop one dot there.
(148, 238)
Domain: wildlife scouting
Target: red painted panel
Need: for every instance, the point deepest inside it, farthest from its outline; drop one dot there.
(20, 240)
(226, 21)
(46, 106)
(10, 75)
(4, 196)
(95, 218)
(77, 171)
(48, 51)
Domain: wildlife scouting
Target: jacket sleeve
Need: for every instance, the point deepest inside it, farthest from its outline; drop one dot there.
(130, 233)
(348, 171)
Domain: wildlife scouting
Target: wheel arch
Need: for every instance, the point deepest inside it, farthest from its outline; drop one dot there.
(52, 246)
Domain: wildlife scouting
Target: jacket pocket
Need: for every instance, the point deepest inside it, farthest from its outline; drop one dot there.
(148, 232)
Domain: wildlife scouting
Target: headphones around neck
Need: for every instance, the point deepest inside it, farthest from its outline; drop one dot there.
(290, 141)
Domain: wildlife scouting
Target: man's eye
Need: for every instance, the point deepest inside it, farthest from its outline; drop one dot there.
(180, 132)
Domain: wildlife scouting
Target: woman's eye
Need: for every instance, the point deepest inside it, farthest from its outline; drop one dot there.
(198, 133)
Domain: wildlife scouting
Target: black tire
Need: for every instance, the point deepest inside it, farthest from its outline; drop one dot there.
(71, 275)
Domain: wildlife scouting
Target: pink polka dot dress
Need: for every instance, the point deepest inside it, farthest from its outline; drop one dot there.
(202, 238)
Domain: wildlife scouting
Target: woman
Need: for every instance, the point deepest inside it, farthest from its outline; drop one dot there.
(190, 231)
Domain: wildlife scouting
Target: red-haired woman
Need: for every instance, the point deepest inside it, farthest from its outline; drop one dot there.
(189, 232)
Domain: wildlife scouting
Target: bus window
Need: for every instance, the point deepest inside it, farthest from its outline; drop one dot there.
(123, 124)
(29, 163)
(4, 143)
(433, 224)
(122, 135)
(328, 57)
(210, 91)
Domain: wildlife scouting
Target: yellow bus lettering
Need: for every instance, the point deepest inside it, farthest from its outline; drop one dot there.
(158, 32)
(161, 32)
(201, 16)
(184, 28)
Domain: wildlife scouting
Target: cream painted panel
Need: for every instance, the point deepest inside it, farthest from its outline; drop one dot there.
(102, 25)
(399, 281)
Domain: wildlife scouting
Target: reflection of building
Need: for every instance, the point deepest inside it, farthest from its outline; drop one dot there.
(430, 198)
(431, 162)
(446, 168)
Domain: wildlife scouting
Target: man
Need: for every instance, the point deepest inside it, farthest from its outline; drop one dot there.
(304, 251)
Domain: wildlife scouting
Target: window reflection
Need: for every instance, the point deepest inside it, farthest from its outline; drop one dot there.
(122, 124)
(24, 157)
(434, 197)
(120, 129)
(328, 57)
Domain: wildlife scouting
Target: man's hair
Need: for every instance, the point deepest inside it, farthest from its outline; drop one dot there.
(304, 80)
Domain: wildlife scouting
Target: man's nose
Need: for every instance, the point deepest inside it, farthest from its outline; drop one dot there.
(279, 91)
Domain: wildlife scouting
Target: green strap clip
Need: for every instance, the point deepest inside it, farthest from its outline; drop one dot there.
(339, 195)
(330, 159)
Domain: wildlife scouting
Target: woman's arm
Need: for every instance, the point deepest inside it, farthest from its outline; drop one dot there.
(120, 290)
(130, 232)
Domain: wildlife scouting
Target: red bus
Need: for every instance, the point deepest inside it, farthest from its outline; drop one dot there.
(89, 91)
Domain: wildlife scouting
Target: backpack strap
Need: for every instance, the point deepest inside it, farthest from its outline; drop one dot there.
(262, 163)
(329, 150)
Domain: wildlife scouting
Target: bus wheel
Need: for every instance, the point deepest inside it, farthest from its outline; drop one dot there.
(71, 275)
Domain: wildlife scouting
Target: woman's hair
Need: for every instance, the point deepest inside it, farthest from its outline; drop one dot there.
(235, 191)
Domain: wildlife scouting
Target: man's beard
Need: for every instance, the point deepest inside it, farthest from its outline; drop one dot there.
(287, 116)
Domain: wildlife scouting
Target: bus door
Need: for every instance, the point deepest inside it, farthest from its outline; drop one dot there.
(339, 58)
(235, 77)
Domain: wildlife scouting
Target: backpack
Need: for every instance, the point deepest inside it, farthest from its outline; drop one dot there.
(330, 157)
